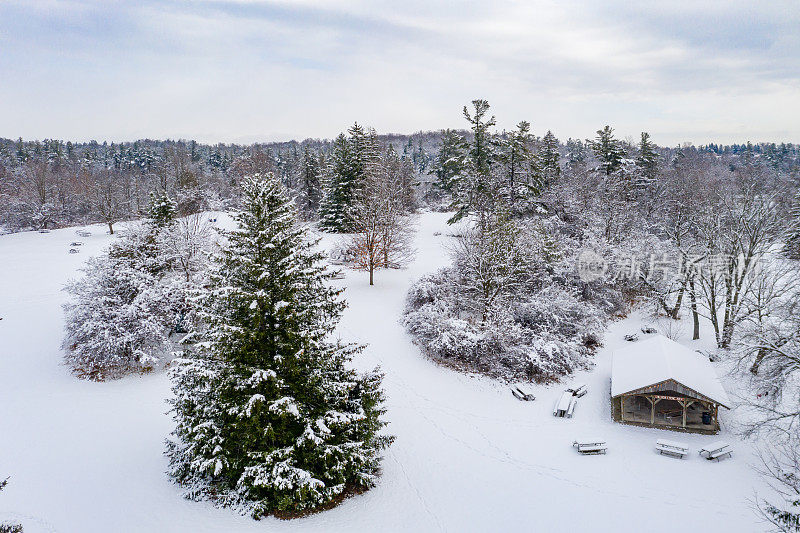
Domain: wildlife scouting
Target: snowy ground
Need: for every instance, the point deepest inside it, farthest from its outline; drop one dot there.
(87, 457)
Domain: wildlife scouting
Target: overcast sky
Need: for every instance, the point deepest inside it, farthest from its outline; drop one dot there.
(243, 71)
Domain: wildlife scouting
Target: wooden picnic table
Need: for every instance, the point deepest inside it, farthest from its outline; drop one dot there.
(671, 447)
(591, 446)
(563, 404)
(716, 450)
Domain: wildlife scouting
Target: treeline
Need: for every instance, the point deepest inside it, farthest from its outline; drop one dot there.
(54, 183)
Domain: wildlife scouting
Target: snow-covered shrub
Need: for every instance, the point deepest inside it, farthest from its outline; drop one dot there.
(510, 309)
(539, 336)
(133, 297)
(343, 251)
(121, 314)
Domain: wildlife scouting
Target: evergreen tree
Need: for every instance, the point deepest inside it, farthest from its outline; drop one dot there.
(449, 161)
(340, 187)
(269, 417)
(353, 158)
(647, 160)
(475, 191)
(516, 157)
(161, 211)
(361, 150)
(576, 153)
(549, 158)
(310, 187)
(120, 315)
(608, 150)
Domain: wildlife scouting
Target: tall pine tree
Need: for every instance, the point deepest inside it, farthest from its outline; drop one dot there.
(608, 150)
(647, 160)
(549, 158)
(476, 191)
(516, 157)
(269, 416)
(309, 184)
(340, 189)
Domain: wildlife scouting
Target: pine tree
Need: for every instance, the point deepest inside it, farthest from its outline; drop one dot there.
(309, 184)
(449, 162)
(269, 417)
(549, 158)
(608, 150)
(516, 157)
(353, 158)
(576, 153)
(647, 160)
(339, 191)
(120, 315)
(475, 191)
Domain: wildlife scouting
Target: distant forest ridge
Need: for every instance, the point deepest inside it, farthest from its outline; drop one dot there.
(54, 183)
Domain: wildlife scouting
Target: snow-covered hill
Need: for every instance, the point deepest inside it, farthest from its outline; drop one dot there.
(87, 457)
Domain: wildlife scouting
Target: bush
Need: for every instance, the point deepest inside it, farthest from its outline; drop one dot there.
(540, 336)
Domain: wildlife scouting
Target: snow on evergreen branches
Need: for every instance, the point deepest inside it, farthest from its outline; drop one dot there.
(269, 417)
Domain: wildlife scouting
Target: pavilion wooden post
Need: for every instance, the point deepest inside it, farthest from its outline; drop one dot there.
(686, 404)
(653, 403)
(683, 403)
(622, 408)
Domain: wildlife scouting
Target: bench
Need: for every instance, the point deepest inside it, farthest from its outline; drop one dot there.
(673, 448)
(578, 390)
(716, 451)
(521, 394)
(590, 447)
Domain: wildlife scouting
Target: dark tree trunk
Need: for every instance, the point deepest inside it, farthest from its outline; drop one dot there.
(695, 315)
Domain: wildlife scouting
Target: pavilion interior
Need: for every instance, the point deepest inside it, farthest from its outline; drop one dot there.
(657, 411)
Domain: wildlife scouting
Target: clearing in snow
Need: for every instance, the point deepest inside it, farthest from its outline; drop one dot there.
(89, 457)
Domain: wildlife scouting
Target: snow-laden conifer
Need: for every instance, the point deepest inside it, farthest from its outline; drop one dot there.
(270, 419)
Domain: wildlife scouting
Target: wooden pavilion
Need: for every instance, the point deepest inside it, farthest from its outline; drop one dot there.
(660, 383)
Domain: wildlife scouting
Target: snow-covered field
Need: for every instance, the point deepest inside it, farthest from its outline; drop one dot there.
(87, 457)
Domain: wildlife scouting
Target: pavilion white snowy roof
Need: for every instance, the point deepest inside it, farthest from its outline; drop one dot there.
(659, 359)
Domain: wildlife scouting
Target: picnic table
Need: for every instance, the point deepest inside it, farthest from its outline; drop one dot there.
(563, 404)
(589, 447)
(716, 450)
(571, 409)
(671, 447)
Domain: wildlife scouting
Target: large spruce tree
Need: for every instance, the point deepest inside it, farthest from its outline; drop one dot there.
(270, 418)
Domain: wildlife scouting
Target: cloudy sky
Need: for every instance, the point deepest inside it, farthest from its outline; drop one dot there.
(241, 71)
